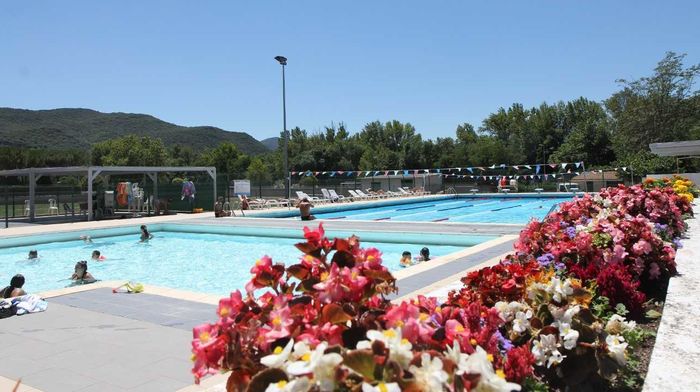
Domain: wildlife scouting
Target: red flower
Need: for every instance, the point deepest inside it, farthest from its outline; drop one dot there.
(518, 364)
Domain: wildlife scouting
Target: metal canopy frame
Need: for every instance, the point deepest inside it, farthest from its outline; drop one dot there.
(92, 172)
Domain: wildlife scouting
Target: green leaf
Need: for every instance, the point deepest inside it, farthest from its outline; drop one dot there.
(362, 362)
(653, 314)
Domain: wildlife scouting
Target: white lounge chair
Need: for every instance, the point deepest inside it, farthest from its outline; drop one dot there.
(356, 196)
(366, 196)
(253, 203)
(335, 196)
(327, 195)
(303, 195)
(405, 192)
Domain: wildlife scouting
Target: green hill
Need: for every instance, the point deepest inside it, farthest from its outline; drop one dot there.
(80, 128)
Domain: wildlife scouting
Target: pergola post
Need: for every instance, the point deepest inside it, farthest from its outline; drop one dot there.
(89, 194)
(212, 174)
(32, 199)
(154, 176)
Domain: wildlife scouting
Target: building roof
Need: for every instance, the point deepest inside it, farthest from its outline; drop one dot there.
(676, 149)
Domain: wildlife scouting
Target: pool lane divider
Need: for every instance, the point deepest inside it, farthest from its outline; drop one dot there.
(454, 208)
(414, 208)
(505, 208)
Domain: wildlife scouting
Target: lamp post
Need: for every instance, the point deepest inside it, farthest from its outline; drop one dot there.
(287, 180)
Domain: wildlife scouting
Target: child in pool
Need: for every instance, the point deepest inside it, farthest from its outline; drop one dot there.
(97, 256)
(406, 260)
(81, 273)
(145, 235)
(424, 255)
(33, 254)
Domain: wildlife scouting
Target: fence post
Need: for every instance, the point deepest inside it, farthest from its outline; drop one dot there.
(7, 220)
(13, 203)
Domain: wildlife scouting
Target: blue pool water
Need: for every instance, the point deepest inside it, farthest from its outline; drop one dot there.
(209, 263)
(512, 210)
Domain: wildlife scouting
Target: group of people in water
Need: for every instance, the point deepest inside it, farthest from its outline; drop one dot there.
(80, 272)
(407, 260)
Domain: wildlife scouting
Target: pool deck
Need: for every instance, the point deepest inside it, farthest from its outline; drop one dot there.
(91, 339)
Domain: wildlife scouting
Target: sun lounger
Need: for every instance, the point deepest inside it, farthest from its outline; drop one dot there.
(335, 196)
(366, 196)
(405, 192)
(355, 195)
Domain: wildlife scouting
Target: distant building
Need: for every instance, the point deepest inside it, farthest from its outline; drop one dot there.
(594, 181)
(431, 182)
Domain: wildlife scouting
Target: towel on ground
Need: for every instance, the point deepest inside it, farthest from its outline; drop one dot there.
(29, 303)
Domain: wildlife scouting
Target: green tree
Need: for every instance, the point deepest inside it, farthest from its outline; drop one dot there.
(227, 159)
(130, 150)
(258, 172)
(660, 108)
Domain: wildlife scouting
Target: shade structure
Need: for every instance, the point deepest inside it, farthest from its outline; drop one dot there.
(92, 172)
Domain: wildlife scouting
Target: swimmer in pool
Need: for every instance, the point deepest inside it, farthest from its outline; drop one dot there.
(97, 256)
(81, 274)
(406, 260)
(424, 255)
(33, 254)
(145, 235)
(86, 239)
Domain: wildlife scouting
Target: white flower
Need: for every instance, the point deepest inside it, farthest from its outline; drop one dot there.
(381, 387)
(400, 349)
(547, 350)
(507, 310)
(616, 347)
(569, 335)
(617, 325)
(559, 290)
(322, 366)
(429, 376)
(489, 380)
(297, 385)
(456, 355)
(563, 317)
(279, 356)
(521, 323)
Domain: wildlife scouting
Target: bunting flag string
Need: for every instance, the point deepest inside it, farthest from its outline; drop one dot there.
(539, 169)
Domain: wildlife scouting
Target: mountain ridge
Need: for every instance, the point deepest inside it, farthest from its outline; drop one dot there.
(65, 128)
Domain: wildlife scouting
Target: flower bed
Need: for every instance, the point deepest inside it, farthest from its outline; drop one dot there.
(561, 312)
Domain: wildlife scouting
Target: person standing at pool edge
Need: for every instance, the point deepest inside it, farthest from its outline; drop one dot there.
(145, 235)
(305, 209)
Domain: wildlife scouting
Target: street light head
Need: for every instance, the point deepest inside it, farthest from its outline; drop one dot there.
(281, 59)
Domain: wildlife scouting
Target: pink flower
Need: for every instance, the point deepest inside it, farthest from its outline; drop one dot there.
(654, 271)
(641, 247)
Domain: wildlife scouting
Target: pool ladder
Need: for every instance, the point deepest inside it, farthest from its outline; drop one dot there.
(554, 207)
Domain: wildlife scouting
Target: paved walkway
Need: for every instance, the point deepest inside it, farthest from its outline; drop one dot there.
(99, 341)
(675, 361)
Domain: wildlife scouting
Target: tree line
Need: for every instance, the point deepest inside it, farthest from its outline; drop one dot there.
(662, 107)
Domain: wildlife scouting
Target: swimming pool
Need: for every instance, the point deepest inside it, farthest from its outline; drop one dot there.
(450, 209)
(203, 262)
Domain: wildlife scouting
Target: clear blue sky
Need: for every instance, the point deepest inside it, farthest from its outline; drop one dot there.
(433, 64)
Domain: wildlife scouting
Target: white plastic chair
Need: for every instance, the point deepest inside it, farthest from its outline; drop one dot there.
(53, 207)
(27, 209)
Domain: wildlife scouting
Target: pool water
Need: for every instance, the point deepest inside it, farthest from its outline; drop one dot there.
(208, 263)
(463, 210)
